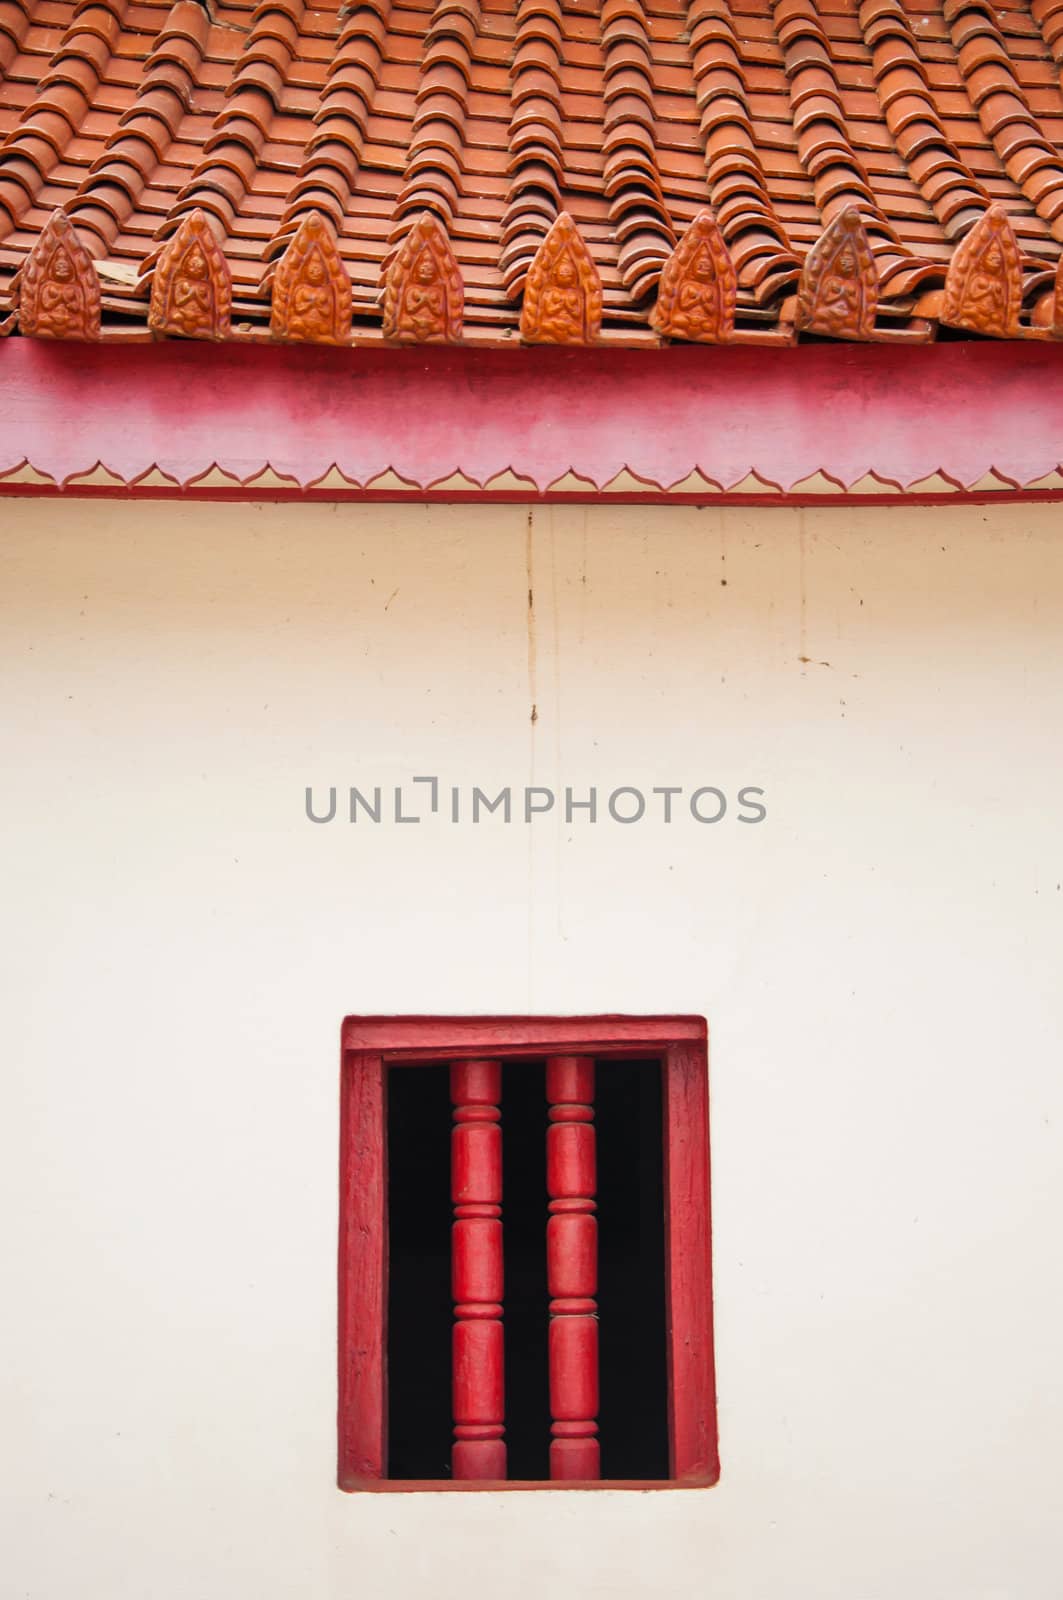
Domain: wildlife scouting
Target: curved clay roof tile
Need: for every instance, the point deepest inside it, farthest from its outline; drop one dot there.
(630, 119)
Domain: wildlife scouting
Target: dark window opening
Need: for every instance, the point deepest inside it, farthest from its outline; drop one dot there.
(633, 1413)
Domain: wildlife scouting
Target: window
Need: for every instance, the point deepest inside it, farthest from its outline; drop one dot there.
(524, 1260)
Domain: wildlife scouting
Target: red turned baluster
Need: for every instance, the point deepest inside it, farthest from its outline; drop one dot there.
(476, 1270)
(572, 1267)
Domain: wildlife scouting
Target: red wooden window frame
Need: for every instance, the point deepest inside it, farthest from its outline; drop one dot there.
(371, 1047)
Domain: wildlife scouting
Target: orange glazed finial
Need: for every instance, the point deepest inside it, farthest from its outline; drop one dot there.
(311, 298)
(1057, 302)
(191, 290)
(424, 297)
(838, 293)
(983, 289)
(563, 294)
(699, 286)
(58, 290)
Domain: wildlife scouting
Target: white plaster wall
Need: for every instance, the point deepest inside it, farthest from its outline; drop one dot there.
(879, 962)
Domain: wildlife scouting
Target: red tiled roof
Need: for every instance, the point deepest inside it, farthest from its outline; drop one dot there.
(900, 127)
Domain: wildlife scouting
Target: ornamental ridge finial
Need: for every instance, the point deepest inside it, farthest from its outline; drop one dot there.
(838, 293)
(191, 289)
(58, 290)
(699, 286)
(311, 293)
(424, 297)
(983, 289)
(563, 292)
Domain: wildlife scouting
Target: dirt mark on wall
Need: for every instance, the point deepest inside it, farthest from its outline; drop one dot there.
(532, 663)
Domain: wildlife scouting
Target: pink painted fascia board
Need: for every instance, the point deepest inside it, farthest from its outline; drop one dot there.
(962, 410)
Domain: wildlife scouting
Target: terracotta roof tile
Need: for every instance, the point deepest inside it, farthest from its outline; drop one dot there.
(480, 123)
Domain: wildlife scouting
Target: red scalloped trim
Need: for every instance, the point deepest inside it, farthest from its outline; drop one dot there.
(818, 425)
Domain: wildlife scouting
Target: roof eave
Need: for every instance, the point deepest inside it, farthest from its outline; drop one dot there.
(815, 424)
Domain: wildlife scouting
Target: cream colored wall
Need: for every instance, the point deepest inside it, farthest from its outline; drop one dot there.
(879, 962)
